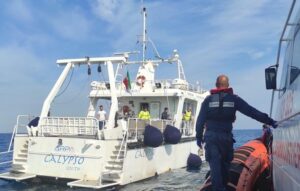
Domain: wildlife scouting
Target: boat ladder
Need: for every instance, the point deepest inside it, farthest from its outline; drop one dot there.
(20, 161)
(112, 174)
(18, 168)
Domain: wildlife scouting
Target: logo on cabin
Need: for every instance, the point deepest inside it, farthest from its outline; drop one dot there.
(62, 148)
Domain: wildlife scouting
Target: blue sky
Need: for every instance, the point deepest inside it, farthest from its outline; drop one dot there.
(233, 37)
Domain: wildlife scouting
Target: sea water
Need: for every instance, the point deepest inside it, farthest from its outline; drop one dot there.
(179, 179)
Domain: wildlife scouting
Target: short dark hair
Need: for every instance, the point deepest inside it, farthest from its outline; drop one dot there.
(222, 81)
(166, 108)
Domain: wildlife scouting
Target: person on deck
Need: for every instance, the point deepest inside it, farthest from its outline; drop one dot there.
(216, 115)
(144, 114)
(101, 116)
(165, 114)
(186, 119)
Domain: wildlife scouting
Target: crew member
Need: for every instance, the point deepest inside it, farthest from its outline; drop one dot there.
(165, 114)
(144, 114)
(188, 114)
(187, 118)
(217, 115)
(101, 116)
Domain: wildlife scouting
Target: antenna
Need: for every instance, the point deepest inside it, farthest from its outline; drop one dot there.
(180, 70)
(144, 39)
(144, 32)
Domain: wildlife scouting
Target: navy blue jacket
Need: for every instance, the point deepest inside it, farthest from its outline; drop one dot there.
(218, 112)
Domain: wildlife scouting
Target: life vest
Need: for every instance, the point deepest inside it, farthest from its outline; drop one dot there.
(221, 105)
(249, 169)
(144, 115)
(187, 116)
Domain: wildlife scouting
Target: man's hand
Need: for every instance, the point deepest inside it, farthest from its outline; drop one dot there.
(274, 124)
(199, 143)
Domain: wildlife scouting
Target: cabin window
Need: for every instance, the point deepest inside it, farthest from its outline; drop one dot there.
(153, 107)
(295, 66)
(294, 73)
(155, 110)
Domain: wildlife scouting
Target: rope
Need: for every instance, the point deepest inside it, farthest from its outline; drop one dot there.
(78, 94)
(62, 92)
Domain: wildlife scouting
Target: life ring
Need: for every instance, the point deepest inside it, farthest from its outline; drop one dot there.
(140, 80)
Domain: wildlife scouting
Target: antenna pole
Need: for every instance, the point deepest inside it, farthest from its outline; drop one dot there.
(144, 33)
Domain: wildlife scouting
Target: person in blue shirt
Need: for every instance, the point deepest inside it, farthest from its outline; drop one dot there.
(216, 116)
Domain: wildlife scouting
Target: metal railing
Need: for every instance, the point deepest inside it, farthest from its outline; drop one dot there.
(123, 146)
(282, 39)
(68, 126)
(22, 121)
(187, 128)
(165, 84)
(136, 127)
(5, 154)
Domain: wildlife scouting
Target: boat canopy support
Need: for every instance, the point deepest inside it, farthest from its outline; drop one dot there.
(69, 63)
(114, 99)
(91, 60)
(55, 89)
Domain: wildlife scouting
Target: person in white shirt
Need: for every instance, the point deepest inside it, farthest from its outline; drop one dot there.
(101, 116)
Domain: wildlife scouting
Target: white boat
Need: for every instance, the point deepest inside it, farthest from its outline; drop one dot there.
(76, 149)
(286, 138)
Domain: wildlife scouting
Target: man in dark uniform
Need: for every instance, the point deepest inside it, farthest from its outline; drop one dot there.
(217, 115)
(165, 115)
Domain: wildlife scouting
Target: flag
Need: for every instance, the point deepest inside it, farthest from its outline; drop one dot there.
(127, 82)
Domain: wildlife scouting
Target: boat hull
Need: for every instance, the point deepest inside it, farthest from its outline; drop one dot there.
(286, 155)
(146, 162)
(87, 159)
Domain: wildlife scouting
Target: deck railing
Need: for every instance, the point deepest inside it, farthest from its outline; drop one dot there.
(6, 159)
(187, 128)
(136, 127)
(158, 84)
(6, 156)
(68, 126)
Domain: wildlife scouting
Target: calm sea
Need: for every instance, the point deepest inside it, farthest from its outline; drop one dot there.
(179, 179)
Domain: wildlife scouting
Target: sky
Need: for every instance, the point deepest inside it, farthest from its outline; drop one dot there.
(232, 37)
